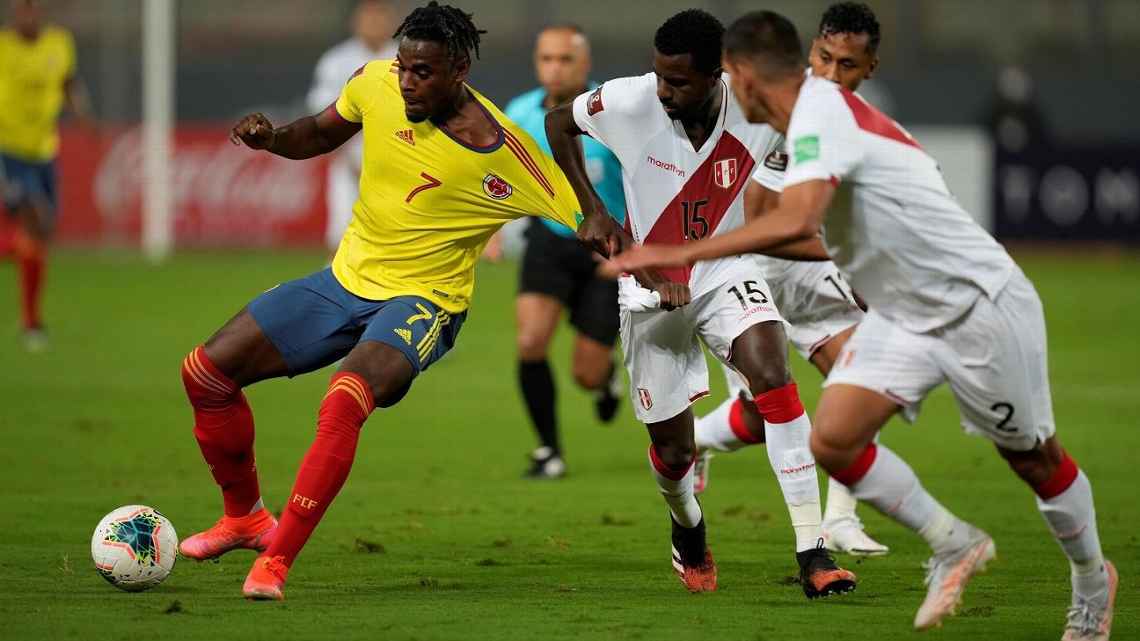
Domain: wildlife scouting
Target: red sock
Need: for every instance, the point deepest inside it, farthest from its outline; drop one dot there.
(223, 425)
(781, 405)
(1061, 479)
(326, 464)
(855, 472)
(739, 426)
(31, 258)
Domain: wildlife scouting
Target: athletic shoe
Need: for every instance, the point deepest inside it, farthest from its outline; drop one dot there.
(608, 398)
(545, 465)
(820, 576)
(265, 579)
(692, 559)
(701, 471)
(947, 575)
(846, 535)
(253, 532)
(36, 340)
(1090, 619)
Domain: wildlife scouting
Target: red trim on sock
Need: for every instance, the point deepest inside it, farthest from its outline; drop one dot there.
(665, 470)
(857, 470)
(739, 427)
(1061, 480)
(781, 405)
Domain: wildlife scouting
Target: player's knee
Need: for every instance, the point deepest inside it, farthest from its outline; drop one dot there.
(831, 453)
(589, 375)
(676, 454)
(531, 346)
(1035, 466)
(768, 376)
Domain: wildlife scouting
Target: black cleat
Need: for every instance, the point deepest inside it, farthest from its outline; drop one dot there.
(608, 398)
(820, 576)
(545, 465)
(692, 559)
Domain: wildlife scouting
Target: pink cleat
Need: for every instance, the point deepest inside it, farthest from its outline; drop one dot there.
(265, 579)
(253, 532)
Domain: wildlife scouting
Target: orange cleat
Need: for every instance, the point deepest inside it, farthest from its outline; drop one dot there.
(697, 578)
(253, 532)
(265, 579)
(692, 560)
(820, 576)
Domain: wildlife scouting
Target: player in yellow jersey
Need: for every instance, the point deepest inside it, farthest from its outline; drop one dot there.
(443, 170)
(37, 79)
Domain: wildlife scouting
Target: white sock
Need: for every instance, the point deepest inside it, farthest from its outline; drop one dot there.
(1072, 519)
(840, 502)
(892, 487)
(791, 459)
(677, 490)
(713, 431)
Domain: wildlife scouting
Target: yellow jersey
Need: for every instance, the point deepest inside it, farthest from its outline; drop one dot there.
(430, 202)
(32, 78)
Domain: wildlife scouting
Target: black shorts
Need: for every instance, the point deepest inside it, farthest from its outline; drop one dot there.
(565, 269)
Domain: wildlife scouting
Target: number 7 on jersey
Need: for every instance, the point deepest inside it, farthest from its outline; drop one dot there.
(432, 182)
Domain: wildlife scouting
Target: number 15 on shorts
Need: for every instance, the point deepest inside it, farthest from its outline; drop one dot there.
(752, 295)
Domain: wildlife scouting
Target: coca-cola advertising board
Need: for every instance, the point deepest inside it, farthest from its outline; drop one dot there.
(223, 195)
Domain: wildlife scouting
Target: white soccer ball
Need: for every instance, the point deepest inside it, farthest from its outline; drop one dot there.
(134, 547)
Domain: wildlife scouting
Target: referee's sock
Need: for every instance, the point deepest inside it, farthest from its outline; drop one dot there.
(537, 386)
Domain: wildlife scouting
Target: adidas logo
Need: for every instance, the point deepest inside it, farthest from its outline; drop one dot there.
(407, 136)
(405, 334)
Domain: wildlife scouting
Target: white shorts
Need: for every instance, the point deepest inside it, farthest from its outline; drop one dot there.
(816, 303)
(667, 368)
(994, 359)
(341, 193)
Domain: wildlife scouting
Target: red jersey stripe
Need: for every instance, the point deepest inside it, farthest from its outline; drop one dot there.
(520, 151)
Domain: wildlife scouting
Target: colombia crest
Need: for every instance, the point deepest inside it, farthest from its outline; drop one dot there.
(496, 187)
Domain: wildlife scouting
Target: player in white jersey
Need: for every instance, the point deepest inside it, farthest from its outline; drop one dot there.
(687, 152)
(947, 303)
(818, 305)
(372, 26)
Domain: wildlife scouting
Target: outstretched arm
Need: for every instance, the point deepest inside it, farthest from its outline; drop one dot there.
(760, 201)
(303, 138)
(597, 229)
(797, 219)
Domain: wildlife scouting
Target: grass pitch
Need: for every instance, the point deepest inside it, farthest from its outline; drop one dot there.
(436, 537)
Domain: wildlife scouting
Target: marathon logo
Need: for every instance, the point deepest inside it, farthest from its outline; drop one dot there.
(776, 161)
(594, 103)
(667, 166)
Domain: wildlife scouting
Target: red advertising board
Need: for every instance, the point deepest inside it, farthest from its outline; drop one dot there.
(224, 195)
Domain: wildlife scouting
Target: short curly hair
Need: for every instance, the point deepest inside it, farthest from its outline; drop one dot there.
(853, 18)
(694, 32)
(444, 24)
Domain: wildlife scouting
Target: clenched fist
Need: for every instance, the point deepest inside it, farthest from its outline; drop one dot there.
(255, 131)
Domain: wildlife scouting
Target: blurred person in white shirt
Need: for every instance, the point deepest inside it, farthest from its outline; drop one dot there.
(372, 27)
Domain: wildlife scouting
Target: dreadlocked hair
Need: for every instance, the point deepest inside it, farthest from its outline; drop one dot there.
(444, 24)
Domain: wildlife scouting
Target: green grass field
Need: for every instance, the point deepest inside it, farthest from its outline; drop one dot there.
(436, 537)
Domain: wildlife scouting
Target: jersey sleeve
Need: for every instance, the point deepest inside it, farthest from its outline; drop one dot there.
(357, 94)
(773, 164)
(822, 141)
(612, 112)
(562, 207)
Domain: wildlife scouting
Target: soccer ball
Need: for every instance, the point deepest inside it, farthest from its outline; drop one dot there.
(134, 547)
